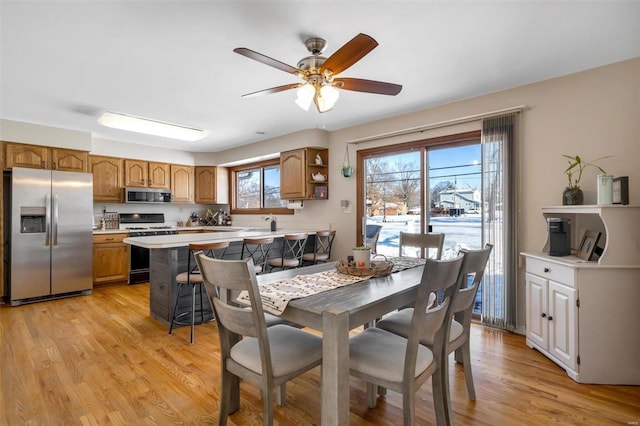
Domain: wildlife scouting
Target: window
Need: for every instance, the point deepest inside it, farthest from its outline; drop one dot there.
(256, 188)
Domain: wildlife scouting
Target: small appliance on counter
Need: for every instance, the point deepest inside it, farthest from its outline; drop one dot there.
(559, 236)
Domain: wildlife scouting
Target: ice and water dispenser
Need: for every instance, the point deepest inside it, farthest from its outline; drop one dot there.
(559, 236)
(32, 220)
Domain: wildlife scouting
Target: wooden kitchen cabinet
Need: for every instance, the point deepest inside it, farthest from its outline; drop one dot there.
(146, 174)
(69, 160)
(205, 185)
(42, 157)
(297, 168)
(107, 178)
(182, 183)
(583, 315)
(110, 258)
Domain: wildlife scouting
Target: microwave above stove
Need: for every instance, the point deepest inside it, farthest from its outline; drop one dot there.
(147, 195)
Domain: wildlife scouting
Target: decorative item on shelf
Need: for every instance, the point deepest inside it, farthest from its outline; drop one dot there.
(362, 256)
(573, 194)
(318, 177)
(347, 170)
(319, 160)
(605, 189)
(320, 192)
(620, 190)
(588, 244)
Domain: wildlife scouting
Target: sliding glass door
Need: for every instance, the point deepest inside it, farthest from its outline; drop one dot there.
(439, 186)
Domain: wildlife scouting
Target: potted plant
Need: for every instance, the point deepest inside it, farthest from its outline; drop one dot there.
(362, 256)
(573, 195)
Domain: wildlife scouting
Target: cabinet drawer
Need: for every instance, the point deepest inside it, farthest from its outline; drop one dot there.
(551, 271)
(109, 238)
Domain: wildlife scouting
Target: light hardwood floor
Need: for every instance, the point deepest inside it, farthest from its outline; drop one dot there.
(101, 359)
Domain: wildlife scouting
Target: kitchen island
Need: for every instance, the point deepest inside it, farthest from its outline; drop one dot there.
(168, 255)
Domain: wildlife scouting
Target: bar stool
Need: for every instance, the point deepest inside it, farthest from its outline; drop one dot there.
(192, 278)
(322, 248)
(292, 249)
(258, 249)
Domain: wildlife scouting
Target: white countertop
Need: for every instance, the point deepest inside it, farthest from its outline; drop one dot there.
(183, 240)
(181, 228)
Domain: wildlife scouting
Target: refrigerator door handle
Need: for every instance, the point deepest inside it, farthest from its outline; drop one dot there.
(55, 220)
(47, 220)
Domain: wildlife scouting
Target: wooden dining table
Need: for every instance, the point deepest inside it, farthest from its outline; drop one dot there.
(335, 312)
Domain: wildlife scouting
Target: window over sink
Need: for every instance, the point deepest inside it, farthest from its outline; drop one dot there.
(255, 188)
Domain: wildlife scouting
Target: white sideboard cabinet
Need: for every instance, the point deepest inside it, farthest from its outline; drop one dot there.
(585, 315)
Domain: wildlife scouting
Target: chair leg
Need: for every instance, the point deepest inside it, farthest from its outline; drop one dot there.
(268, 403)
(175, 308)
(193, 310)
(439, 402)
(225, 397)
(371, 395)
(281, 394)
(409, 408)
(468, 375)
(201, 305)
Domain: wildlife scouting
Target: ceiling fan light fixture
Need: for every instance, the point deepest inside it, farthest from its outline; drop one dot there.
(148, 126)
(326, 97)
(305, 95)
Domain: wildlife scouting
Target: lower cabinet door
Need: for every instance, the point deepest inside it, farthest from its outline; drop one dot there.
(563, 332)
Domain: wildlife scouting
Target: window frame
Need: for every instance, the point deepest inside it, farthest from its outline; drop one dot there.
(233, 188)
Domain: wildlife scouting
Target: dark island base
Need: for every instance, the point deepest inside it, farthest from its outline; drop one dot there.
(166, 263)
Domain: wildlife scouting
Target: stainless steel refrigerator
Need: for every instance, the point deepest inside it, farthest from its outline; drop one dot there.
(51, 234)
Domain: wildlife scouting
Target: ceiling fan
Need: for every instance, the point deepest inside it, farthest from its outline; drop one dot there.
(319, 73)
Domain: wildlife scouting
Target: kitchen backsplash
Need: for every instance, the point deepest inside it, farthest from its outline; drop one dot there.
(173, 213)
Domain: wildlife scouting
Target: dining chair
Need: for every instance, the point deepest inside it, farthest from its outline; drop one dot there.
(382, 358)
(191, 278)
(471, 274)
(423, 243)
(266, 357)
(293, 246)
(258, 249)
(371, 235)
(322, 248)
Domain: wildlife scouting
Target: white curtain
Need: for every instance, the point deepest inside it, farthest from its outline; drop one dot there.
(498, 221)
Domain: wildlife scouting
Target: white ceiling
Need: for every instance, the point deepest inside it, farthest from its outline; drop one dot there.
(64, 62)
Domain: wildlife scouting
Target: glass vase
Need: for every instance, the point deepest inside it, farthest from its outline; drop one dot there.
(572, 197)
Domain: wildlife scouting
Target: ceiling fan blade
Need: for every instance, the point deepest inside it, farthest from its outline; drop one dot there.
(354, 50)
(369, 86)
(272, 90)
(266, 60)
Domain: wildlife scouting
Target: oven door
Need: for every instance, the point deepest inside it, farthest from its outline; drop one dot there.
(139, 265)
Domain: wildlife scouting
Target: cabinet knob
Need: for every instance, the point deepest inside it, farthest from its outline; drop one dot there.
(550, 318)
(543, 315)
(546, 269)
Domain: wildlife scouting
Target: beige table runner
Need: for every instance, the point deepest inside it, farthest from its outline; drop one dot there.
(275, 296)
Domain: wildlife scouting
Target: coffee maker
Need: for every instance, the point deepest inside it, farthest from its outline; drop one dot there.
(559, 236)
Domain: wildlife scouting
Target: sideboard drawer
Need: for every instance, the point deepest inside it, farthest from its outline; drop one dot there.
(552, 271)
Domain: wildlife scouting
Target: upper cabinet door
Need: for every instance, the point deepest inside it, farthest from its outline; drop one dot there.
(23, 155)
(159, 175)
(107, 178)
(182, 183)
(293, 174)
(206, 185)
(136, 173)
(69, 160)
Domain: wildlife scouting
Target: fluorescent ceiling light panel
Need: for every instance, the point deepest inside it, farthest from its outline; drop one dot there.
(148, 126)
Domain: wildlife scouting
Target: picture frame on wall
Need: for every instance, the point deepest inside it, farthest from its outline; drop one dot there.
(588, 244)
(620, 188)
